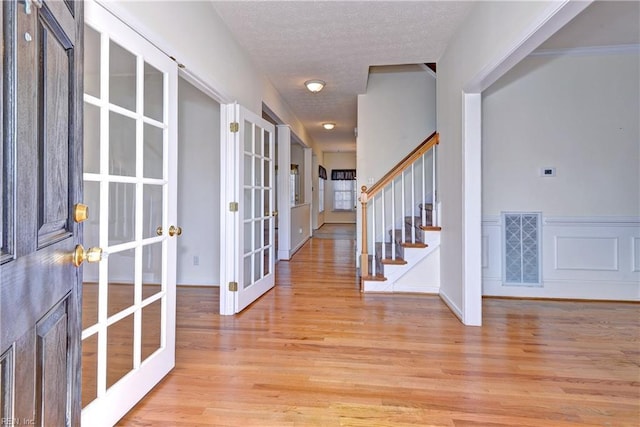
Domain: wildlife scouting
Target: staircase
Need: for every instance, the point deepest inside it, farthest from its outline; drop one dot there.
(404, 254)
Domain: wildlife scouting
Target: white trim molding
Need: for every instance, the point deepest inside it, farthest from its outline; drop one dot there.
(588, 51)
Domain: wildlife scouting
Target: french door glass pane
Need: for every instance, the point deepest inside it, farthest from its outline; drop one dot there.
(248, 169)
(119, 350)
(247, 248)
(151, 269)
(257, 173)
(257, 234)
(258, 142)
(152, 210)
(122, 145)
(91, 61)
(153, 151)
(153, 93)
(267, 149)
(267, 174)
(248, 205)
(151, 328)
(257, 200)
(248, 137)
(257, 270)
(122, 209)
(122, 77)
(121, 281)
(247, 271)
(267, 261)
(91, 138)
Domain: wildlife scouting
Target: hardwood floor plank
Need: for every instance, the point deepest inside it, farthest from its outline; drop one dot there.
(314, 351)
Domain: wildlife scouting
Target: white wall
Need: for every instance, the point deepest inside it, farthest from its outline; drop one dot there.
(198, 187)
(336, 161)
(578, 114)
(300, 226)
(395, 115)
(493, 35)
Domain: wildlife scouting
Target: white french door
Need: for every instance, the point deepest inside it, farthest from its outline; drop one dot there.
(130, 170)
(248, 235)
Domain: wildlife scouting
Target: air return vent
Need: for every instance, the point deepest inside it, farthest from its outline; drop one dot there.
(521, 248)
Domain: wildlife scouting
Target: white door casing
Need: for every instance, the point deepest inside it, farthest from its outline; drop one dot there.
(247, 218)
(130, 179)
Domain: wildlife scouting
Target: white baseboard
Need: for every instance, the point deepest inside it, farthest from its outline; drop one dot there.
(566, 289)
(452, 306)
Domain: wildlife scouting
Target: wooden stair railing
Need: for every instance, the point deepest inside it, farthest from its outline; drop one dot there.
(368, 195)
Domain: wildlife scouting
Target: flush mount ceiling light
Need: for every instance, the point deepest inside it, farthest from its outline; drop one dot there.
(328, 126)
(314, 86)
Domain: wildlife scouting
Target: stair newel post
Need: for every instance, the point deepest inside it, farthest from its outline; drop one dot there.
(364, 256)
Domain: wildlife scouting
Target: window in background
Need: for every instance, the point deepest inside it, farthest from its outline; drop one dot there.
(344, 195)
(321, 195)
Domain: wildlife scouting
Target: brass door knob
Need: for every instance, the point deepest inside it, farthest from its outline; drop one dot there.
(175, 231)
(81, 255)
(159, 230)
(274, 213)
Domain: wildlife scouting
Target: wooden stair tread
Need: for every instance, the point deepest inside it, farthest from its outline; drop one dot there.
(376, 278)
(417, 244)
(430, 228)
(391, 261)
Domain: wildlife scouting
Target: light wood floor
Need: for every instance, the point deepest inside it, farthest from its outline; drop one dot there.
(315, 351)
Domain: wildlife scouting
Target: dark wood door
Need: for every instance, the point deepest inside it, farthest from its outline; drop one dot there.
(40, 181)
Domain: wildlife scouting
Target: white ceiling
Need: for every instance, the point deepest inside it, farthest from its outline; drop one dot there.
(337, 41)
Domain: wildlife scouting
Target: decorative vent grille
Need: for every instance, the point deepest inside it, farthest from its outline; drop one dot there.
(521, 248)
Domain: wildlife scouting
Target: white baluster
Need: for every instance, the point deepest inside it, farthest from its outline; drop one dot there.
(413, 205)
(373, 235)
(393, 219)
(423, 211)
(403, 210)
(383, 228)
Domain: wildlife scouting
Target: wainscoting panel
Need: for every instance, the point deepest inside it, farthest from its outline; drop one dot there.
(582, 258)
(586, 253)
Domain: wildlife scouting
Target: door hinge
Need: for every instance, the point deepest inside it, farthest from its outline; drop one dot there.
(233, 207)
(234, 127)
(233, 286)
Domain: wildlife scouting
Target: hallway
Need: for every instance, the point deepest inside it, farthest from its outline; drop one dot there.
(314, 351)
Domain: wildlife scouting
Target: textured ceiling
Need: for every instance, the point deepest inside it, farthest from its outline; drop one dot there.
(337, 41)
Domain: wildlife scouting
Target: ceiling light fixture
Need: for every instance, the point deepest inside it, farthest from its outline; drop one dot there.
(328, 126)
(314, 86)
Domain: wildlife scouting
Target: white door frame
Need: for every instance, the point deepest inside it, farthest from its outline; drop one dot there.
(556, 16)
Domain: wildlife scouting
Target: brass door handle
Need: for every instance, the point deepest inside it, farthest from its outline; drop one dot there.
(274, 213)
(175, 231)
(90, 255)
(159, 230)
